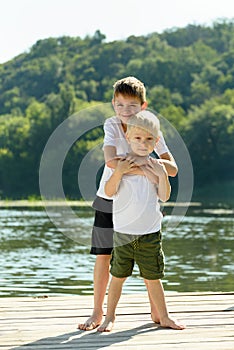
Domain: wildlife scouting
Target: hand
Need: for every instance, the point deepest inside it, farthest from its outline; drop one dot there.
(138, 161)
(149, 174)
(156, 167)
(125, 165)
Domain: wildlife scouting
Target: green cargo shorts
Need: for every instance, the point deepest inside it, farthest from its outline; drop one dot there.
(145, 250)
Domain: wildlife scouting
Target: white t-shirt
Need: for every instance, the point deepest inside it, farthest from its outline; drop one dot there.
(135, 206)
(115, 136)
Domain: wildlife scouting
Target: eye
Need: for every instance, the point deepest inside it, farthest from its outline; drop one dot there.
(118, 105)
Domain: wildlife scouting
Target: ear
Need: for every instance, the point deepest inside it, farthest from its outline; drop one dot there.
(157, 139)
(127, 138)
(113, 103)
(144, 105)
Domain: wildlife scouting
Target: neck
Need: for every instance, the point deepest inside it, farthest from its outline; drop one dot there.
(137, 155)
(124, 126)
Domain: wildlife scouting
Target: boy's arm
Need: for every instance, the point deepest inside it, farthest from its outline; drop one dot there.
(111, 161)
(164, 188)
(165, 155)
(168, 160)
(159, 170)
(112, 185)
(110, 156)
(165, 158)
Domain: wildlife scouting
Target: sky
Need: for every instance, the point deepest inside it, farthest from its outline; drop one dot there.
(23, 22)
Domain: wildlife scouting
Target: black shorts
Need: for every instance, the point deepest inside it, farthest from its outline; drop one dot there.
(102, 232)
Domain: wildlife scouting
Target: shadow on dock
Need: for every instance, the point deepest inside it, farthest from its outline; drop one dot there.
(88, 339)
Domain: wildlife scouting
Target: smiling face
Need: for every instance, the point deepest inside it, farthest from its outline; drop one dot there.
(142, 142)
(127, 106)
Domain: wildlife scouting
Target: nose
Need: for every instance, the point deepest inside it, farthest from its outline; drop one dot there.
(127, 110)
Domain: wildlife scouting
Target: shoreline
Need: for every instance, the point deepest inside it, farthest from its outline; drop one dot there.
(60, 203)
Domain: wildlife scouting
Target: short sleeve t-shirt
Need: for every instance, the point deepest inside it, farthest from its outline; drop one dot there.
(135, 206)
(115, 136)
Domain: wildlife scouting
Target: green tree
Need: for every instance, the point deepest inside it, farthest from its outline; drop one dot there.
(210, 139)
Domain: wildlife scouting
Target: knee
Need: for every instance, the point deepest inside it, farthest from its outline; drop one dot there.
(103, 259)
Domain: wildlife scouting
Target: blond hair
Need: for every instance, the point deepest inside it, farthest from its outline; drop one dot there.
(130, 86)
(145, 120)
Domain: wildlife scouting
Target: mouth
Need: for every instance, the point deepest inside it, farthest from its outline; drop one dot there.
(125, 116)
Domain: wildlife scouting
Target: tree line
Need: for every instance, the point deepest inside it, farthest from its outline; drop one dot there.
(188, 73)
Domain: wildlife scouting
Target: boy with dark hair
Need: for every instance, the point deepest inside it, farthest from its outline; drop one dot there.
(129, 98)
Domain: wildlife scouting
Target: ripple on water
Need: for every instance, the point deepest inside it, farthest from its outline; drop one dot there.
(36, 258)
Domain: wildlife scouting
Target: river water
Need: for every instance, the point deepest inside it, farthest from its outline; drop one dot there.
(37, 259)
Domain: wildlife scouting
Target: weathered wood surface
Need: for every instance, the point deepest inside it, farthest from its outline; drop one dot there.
(50, 323)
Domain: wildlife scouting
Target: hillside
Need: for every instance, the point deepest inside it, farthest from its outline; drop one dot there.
(188, 74)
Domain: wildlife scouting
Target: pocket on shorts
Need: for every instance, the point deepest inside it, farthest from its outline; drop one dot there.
(161, 262)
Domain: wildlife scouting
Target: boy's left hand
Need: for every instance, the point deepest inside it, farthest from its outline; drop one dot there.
(156, 167)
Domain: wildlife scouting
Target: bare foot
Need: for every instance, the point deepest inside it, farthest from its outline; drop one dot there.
(107, 325)
(155, 318)
(92, 322)
(168, 322)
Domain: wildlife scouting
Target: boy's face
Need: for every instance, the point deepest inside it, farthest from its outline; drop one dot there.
(127, 106)
(141, 141)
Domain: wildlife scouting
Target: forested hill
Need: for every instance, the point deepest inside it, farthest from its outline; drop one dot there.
(188, 73)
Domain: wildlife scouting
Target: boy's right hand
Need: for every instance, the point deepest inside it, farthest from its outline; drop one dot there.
(125, 165)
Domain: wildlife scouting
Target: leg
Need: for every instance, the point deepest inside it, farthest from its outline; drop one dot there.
(102, 243)
(156, 293)
(101, 278)
(154, 311)
(114, 294)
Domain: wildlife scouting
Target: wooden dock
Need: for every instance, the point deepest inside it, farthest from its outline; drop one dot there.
(50, 323)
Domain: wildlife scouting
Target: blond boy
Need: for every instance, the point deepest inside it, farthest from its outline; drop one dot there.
(137, 220)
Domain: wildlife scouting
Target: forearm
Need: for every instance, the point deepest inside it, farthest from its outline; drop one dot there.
(112, 185)
(170, 164)
(136, 170)
(112, 163)
(164, 188)
(111, 159)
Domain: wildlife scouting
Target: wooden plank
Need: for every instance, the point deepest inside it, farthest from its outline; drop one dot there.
(50, 323)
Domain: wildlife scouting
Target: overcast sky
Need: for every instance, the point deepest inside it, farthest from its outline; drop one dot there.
(23, 22)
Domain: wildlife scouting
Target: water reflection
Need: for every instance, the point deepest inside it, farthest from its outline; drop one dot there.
(37, 259)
